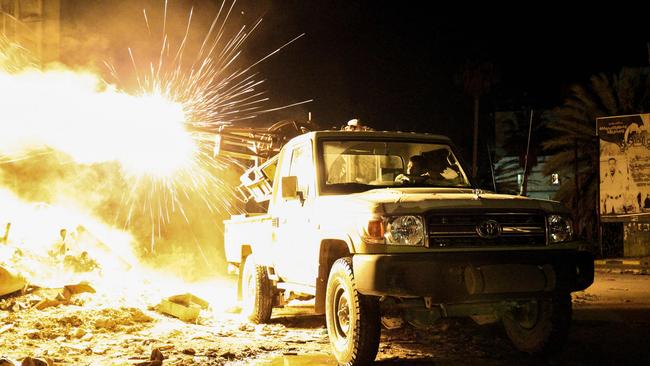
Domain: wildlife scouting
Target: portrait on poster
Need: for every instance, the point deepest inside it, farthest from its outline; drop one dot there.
(624, 165)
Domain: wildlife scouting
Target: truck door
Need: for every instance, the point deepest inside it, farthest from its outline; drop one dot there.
(296, 252)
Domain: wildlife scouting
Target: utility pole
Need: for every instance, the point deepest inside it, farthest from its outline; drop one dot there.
(477, 80)
(494, 179)
(576, 183)
(524, 184)
(475, 147)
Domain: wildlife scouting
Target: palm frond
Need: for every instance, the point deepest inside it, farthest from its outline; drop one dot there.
(574, 144)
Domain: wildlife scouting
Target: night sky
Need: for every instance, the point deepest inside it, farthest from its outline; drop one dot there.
(399, 66)
(395, 65)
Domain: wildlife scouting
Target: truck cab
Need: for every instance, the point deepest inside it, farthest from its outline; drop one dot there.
(386, 228)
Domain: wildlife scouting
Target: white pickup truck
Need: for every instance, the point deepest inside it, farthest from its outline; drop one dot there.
(386, 228)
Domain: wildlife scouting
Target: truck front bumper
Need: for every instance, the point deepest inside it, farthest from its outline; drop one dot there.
(473, 276)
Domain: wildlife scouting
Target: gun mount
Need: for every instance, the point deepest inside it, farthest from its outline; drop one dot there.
(260, 147)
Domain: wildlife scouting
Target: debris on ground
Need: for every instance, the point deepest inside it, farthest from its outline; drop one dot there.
(5, 328)
(186, 307)
(582, 297)
(102, 331)
(80, 263)
(29, 361)
(10, 281)
(65, 296)
(156, 358)
(189, 351)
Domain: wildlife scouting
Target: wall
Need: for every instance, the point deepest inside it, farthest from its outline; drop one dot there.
(34, 24)
(636, 240)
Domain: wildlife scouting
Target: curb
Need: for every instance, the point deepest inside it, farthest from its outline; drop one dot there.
(618, 262)
(623, 264)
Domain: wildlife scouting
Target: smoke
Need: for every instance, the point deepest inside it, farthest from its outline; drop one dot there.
(98, 34)
(88, 153)
(97, 132)
(188, 243)
(68, 137)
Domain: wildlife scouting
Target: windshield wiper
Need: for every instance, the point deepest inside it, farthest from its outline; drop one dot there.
(431, 185)
(350, 184)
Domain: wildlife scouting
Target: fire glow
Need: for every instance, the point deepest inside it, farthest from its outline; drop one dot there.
(92, 122)
(77, 119)
(126, 166)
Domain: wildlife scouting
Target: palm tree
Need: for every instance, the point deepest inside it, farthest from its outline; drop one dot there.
(574, 144)
(516, 144)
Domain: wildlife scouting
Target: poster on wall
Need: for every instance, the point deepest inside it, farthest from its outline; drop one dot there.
(624, 167)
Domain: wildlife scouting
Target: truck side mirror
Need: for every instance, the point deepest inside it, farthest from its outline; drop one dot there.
(289, 187)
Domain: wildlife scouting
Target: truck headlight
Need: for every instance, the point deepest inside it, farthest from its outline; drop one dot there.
(560, 229)
(404, 230)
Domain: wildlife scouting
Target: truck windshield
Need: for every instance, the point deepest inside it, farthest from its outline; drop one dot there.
(360, 165)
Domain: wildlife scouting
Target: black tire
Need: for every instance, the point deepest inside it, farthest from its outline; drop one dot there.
(541, 327)
(257, 292)
(353, 321)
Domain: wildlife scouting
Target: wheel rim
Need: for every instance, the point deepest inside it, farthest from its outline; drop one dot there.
(527, 315)
(342, 313)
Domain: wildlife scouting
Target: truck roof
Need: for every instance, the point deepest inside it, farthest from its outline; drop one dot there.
(373, 134)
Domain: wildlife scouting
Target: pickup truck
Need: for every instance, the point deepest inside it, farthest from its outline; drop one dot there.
(385, 228)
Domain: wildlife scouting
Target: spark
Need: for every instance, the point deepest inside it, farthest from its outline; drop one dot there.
(14, 57)
(146, 20)
(161, 134)
(156, 141)
(214, 90)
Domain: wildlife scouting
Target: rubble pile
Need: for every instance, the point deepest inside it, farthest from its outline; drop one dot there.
(61, 305)
(81, 332)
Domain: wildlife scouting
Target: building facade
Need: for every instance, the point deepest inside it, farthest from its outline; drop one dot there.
(33, 24)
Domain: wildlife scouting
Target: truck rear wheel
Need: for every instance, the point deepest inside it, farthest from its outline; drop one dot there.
(540, 327)
(353, 322)
(257, 292)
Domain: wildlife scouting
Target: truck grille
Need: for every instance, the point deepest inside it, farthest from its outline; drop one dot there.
(507, 229)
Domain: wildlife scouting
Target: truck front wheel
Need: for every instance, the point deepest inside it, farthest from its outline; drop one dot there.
(257, 292)
(540, 327)
(353, 322)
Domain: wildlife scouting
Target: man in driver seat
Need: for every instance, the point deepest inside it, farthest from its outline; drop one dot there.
(416, 172)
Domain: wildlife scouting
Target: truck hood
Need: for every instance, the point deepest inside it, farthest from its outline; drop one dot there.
(421, 200)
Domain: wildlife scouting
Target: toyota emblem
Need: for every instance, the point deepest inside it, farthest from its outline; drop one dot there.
(488, 229)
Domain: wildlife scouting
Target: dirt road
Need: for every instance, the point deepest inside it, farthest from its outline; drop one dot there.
(611, 323)
(611, 326)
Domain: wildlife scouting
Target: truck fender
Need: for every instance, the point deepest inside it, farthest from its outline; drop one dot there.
(330, 251)
(246, 250)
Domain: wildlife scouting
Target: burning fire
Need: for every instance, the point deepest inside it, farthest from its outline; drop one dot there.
(156, 140)
(142, 138)
(93, 122)
(56, 245)
(40, 236)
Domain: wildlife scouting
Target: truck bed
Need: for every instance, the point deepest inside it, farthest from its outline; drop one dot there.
(252, 230)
